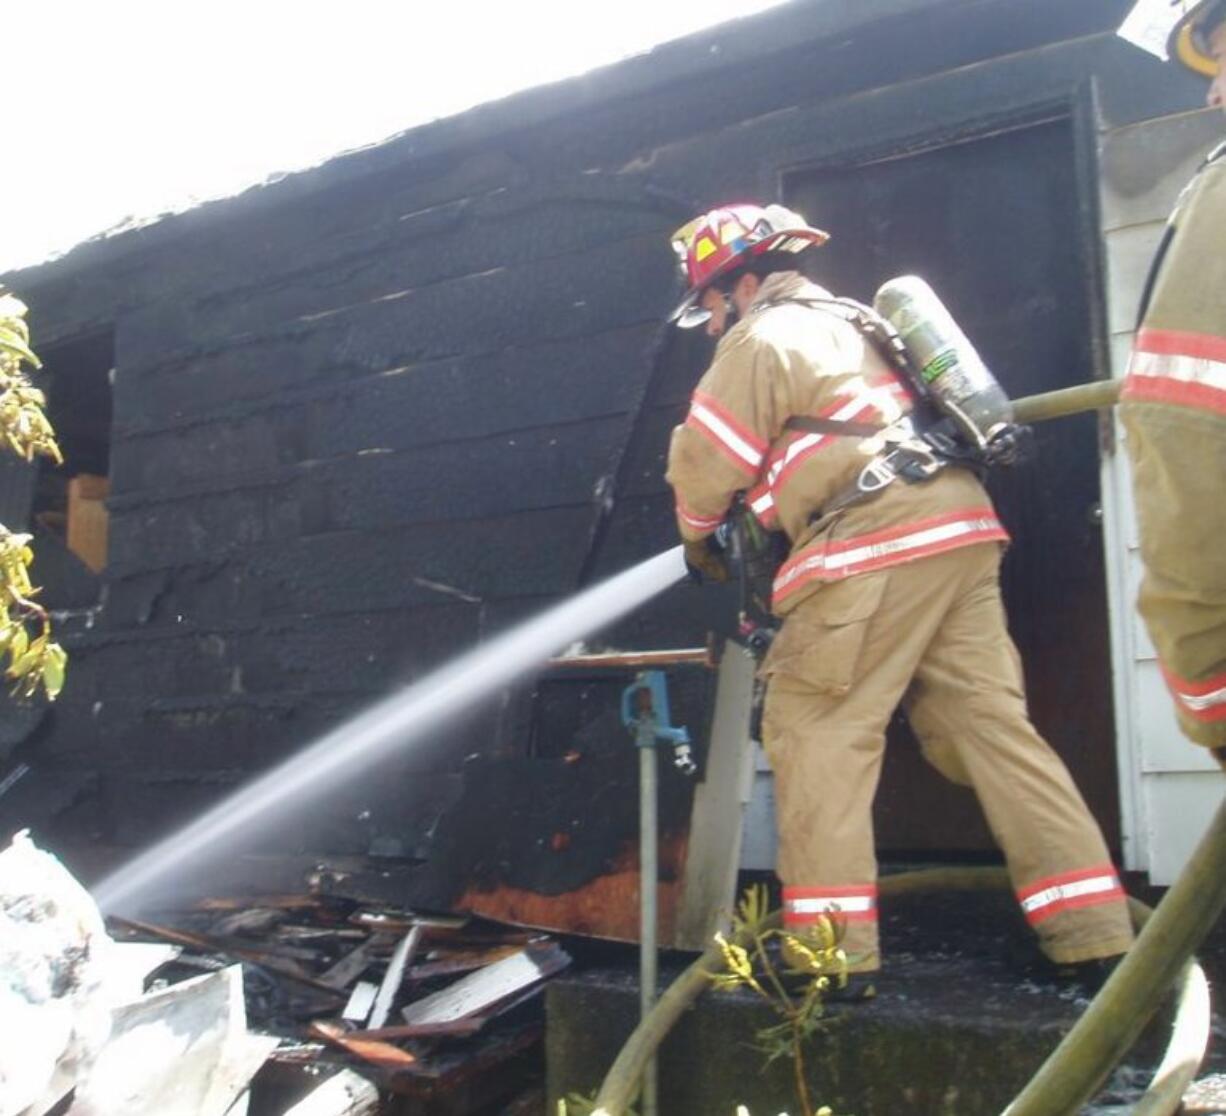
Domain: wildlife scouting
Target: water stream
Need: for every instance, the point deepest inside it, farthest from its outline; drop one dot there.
(397, 722)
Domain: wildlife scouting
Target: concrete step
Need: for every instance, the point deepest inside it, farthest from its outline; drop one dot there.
(966, 1012)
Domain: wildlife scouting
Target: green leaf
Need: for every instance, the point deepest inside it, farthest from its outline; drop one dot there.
(23, 665)
(53, 676)
(11, 340)
(19, 643)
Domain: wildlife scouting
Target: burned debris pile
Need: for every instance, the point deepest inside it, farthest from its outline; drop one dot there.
(370, 1007)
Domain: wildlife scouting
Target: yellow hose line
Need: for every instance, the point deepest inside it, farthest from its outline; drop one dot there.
(1067, 401)
(621, 1083)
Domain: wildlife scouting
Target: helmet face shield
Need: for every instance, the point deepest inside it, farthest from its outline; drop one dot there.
(692, 316)
(696, 314)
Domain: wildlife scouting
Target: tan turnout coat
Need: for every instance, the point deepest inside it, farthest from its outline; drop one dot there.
(786, 359)
(1174, 412)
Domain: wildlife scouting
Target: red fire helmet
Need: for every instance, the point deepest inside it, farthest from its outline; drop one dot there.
(720, 241)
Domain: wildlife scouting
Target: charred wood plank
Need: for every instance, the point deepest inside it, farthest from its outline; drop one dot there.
(354, 963)
(481, 991)
(369, 487)
(389, 922)
(345, 1094)
(287, 969)
(460, 963)
(361, 1001)
(367, 1050)
(445, 1073)
(296, 902)
(499, 556)
(456, 1028)
(395, 976)
(597, 288)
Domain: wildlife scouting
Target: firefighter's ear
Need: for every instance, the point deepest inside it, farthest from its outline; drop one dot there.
(745, 291)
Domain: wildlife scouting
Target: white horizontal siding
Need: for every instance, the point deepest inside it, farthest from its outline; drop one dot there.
(1168, 786)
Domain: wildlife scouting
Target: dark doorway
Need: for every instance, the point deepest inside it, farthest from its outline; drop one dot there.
(995, 224)
(68, 516)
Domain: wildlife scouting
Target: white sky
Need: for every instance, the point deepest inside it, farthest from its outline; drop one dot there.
(118, 109)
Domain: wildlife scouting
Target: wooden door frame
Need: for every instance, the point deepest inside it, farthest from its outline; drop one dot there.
(967, 106)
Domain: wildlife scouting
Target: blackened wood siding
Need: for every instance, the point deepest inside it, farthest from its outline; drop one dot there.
(368, 415)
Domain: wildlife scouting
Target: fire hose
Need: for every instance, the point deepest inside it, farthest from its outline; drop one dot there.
(1161, 956)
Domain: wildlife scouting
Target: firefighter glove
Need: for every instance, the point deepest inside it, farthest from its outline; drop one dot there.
(705, 560)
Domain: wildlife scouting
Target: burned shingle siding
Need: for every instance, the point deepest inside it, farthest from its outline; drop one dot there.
(364, 417)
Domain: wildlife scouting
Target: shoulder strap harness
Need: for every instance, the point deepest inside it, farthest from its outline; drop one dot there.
(914, 456)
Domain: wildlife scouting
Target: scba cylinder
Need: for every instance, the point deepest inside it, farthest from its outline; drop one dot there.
(945, 364)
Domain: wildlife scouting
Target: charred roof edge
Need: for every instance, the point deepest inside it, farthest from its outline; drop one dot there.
(735, 42)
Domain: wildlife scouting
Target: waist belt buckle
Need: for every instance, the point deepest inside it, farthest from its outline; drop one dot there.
(919, 463)
(878, 473)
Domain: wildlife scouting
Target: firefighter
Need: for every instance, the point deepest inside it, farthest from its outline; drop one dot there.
(890, 598)
(1173, 407)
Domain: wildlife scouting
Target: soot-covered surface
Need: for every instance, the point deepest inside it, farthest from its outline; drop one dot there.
(368, 416)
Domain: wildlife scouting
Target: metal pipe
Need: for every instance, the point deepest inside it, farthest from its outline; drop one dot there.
(1094, 396)
(638, 660)
(649, 873)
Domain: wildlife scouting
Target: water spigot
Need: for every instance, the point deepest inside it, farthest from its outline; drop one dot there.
(645, 713)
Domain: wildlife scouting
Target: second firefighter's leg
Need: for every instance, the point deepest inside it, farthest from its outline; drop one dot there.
(967, 702)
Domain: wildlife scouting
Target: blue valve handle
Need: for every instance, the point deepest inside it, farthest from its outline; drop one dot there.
(645, 702)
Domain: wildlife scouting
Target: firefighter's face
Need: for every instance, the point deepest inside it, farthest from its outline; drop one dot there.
(1217, 47)
(719, 306)
(725, 308)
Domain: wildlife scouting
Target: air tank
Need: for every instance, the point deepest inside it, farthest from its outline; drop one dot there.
(945, 363)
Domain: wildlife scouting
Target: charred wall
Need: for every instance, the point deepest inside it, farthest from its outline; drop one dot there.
(371, 414)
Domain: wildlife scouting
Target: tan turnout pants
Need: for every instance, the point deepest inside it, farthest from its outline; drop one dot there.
(932, 635)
